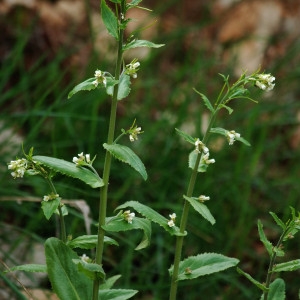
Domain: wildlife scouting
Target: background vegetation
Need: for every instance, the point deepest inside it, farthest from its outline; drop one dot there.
(244, 185)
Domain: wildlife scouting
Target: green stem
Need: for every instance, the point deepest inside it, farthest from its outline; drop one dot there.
(272, 263)
(184, 217)
(107, 162)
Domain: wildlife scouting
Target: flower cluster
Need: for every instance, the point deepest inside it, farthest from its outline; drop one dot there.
(18, 167)
(264, 81)
(82, 159)
(50, 197)
(133, 136)
(203, 198)
(132, 68)
(171, 222)
(200, 147)
(232, 136)
(100, 78)
(128, 216)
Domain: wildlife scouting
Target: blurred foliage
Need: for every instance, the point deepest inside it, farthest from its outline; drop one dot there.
(244, 184)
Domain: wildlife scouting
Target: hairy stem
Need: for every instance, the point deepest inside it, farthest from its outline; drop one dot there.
(107, 162)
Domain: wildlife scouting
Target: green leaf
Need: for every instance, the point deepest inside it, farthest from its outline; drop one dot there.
(67, 282)
(91, 270)
(70, 169)
(185, 136)
(110, 20)
(201, 209)
(192, 161)
(30, 268)
(277, 290)
(141, 43)
(86, 85)
(206, 101)
(124, 86)
(119, 224)
(109, 282)
(89, 242)
(151, 215)
(278, 221)
(203, 264)
(127, 156)
(49, 207)
(116, 294)
(268, 245)
(255, 282)
(287, 266)
(134, 3)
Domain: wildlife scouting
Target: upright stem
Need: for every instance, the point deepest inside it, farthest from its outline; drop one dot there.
(107, 163)
(272, 262)
(184, 217)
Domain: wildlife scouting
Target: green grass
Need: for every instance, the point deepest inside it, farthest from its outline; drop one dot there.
(244, 184)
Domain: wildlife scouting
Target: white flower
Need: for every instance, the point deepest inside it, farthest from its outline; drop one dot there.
(82, 159)
(203, 198)
(173, 216)
(50, 197)
(232, 136)
(100, 78)
(128, 216)
(134, 133)
(132, 68)
(18, 167)
(201, 147)
(85, 258)
(171, 223)
(205, 159)
(264, 82)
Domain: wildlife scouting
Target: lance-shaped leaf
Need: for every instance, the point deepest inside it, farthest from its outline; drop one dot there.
(109, 282)
(116, 294)
(119, 224)
(203, 264)
(86, 85)
(277, 290)
(201, 208)
(224, 132)
(36, 268)
(49, 207)
(141, 43)
(268, 245)
(110, 20)
(229, 109)
(287, 266)
(70, 169)
(127, 156)
(206, 101)
(89, 242)
(251, 279)
(152, 215)
(61, 269)
(278, 221)
(185, 136)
